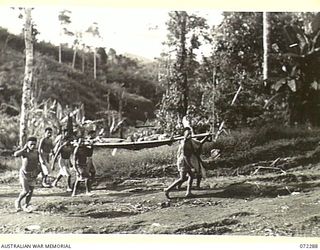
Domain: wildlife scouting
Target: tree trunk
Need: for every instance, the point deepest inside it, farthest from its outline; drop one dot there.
(74, 58)
(95, 63)
(213, 98)
(183, 58)
(108, 113)
(4, 48)
(83, 61)
(26, 88)
(265, 45)
(60, 53)
(121, 97)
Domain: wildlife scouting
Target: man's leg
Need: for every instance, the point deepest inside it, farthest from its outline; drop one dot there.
(69, 188)
(190, 179)
(199, 178)
(92, 169)
(23, 193)
(190, 176)
(45, 173)
(55, 182)
(75, 187)
(175, 183)
(184, 180)
(65, 171)
(29, 196)
(87, 184)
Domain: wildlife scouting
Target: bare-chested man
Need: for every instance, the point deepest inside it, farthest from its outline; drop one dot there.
(90, 140)
(81, 155)
(28, 172)
(45, 152)
(185, 165)
(63, 154)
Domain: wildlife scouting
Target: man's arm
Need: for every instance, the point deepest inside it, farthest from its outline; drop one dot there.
(205, 139)
(56, 156)
(75, 159)
(40, 152)
(20, 151)
(197, 145)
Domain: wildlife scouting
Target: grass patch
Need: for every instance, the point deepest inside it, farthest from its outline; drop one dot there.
(247, 139)
(9, 177)
(128, 163)
(9, 167)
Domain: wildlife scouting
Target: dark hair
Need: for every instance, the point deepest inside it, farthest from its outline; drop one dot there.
(32, 138)
(48, 129)
(91, 132)
(187, 128)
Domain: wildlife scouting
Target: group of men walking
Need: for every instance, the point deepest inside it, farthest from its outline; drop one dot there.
(77, 155)
(68, 153)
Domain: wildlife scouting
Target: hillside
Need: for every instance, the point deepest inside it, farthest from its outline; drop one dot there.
(73, 86)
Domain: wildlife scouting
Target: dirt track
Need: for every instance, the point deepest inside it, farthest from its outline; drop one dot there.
(259, 205)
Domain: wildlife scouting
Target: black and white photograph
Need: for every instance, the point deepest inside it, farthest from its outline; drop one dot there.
(135, 121)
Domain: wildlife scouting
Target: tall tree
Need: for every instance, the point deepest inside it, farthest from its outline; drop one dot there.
(186, 32)
(65, 20)
(93, 30)
(265, 44)
(237, 61)
(27, 81)
(77, 43)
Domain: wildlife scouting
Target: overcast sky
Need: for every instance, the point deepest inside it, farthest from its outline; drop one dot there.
(135, 31)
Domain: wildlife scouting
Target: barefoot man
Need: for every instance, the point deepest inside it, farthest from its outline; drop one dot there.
(183, 163)
(63, 154)
(45, 152)
(28, 172)
(81, 155)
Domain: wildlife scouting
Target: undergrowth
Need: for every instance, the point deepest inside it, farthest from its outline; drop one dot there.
(128, 163)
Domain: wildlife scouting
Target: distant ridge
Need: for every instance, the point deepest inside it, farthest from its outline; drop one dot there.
(139, 58)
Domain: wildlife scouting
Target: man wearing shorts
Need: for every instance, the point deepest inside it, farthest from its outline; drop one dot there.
(28, 172)
(63, 154)
(183, 163)
(81, 166)
(91, 166)
(188, 158)
(45, 151)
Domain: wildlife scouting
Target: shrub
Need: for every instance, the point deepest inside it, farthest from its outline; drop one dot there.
(9, 131)
(246, 139)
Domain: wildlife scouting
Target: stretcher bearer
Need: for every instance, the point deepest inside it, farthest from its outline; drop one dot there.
(92, 168)
(183, 164)
(45, 152)
(195, 159)
(63, 154)
(187, 160)
(81, 155)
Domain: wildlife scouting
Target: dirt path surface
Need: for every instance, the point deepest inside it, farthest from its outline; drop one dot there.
(264, 204)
